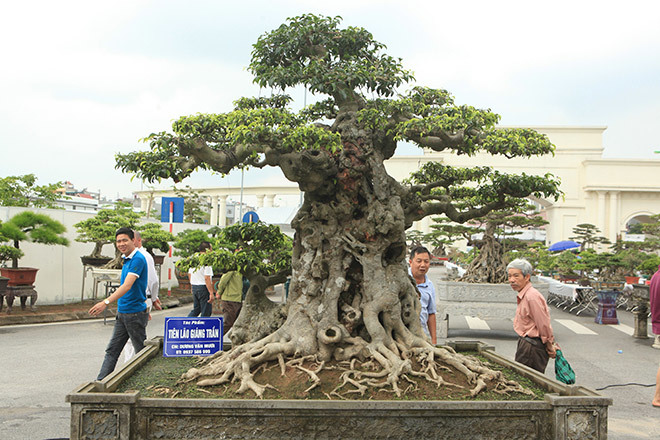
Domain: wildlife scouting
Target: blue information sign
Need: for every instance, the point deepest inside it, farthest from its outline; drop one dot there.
(177, 209)
(192, 336)
(250, 217)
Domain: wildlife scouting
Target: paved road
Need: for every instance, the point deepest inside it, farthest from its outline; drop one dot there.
(593, 351)
(40, 364)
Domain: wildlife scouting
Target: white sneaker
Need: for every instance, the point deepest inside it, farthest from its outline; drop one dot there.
(656, 344)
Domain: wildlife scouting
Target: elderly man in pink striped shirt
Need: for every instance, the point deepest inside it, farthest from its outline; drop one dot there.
(536, 341)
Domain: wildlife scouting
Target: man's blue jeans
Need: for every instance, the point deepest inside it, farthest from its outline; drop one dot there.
(201, 304)
(131, 326)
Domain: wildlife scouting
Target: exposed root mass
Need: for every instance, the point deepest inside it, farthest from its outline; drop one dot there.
(391, 374)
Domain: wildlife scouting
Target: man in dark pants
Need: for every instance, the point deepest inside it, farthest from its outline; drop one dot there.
(536, 341)
(132, 314)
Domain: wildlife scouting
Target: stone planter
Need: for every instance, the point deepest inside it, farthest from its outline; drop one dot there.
(159, 259)
(485, 301)
(567, 412)
(95, 261)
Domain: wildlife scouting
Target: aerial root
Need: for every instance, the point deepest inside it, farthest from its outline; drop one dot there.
(313, 374)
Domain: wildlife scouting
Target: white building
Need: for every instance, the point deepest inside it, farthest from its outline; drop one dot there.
(609, 193)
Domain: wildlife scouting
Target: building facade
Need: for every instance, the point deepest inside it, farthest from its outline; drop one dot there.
(608, 193)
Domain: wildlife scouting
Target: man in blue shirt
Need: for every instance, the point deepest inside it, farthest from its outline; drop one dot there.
(420, 262)
(132, 314)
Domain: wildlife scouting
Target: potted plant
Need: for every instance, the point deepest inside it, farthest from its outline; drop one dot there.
(6, 253)
(629, 259)
(28, 225)
(649, 266)
(154, 237)
(101, 229)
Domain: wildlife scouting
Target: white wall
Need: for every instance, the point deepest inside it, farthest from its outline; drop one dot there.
(59, 279)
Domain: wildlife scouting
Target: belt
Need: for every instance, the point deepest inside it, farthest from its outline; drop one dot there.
(534, 341)
(149, 296)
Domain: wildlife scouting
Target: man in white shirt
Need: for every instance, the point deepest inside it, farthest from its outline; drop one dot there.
(201, 286)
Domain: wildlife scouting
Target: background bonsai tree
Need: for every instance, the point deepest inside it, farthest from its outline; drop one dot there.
(101, 229)
(8, 252)
(585, 234)
(262, 254)
(349, 247)
(538, 255)
(196, 208)
(186, 242)
(30, 226)
(155, 237)
(649, 266)
(489, 264)
(24, 191)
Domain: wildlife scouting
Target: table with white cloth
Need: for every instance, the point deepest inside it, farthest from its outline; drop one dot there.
(564, 295)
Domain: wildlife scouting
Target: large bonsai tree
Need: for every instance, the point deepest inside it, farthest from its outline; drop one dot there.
(350, 295)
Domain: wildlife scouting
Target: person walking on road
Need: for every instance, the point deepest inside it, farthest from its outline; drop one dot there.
(201, 285)
(132, 313)
(536, 341)
(654, 299)
(230, 289)
(152, 289)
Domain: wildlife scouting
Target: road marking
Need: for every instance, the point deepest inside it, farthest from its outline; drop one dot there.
(476, 323)
(624, 328)
(575, 327)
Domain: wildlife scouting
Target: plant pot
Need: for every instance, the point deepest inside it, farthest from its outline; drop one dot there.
(183, 280)
(22, 276)
(95, 261)
(607, 307)
(158, 259)
(632, 280)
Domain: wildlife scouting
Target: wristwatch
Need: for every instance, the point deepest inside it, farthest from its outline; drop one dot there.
(107, 303)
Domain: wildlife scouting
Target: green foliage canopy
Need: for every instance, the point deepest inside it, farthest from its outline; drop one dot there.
(350, 68)
(24, 191)
(101, 228)
(249, 248)
(38, 228)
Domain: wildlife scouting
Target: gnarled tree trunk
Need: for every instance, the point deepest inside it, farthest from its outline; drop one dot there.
(350, 294)
(488, 266)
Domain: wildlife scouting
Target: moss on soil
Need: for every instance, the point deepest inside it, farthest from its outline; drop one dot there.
(159, 376)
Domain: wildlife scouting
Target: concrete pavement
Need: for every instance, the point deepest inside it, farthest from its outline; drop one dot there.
(41, 363)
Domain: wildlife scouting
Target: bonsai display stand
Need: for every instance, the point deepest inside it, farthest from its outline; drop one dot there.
(640, 310)
(485, 301)
(23, 292)
(606, 313)
(566, 412)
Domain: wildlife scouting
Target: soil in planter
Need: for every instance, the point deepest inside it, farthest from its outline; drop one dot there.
(159, 377)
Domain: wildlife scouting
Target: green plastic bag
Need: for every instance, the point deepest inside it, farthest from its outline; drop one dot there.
(563, 371)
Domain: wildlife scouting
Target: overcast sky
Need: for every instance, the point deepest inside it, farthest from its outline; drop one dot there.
(83, 80)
